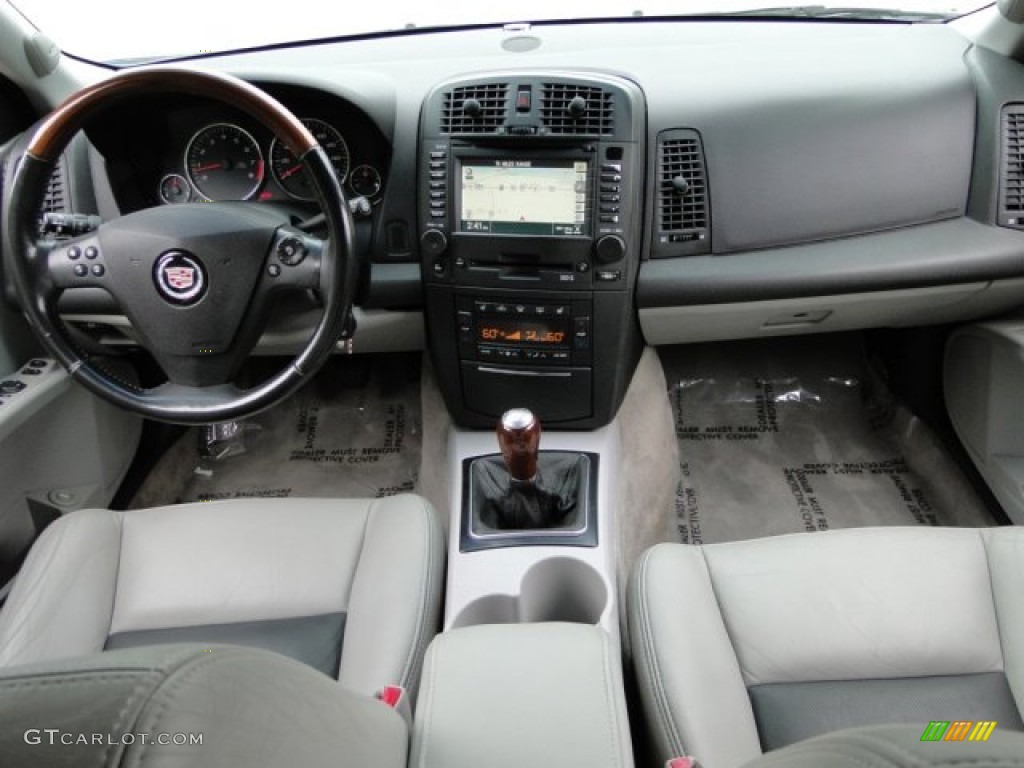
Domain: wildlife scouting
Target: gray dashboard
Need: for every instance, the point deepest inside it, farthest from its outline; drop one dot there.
(841, 158)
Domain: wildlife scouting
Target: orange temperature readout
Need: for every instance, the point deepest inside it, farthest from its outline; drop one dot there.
(523, 333)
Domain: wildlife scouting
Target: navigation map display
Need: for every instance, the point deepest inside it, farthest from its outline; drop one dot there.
(524, 197)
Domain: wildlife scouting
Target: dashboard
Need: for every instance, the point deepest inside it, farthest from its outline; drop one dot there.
(752, 179)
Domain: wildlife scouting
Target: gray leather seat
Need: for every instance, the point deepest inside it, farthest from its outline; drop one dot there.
(186, 706)
(753, 645)
(350, 587)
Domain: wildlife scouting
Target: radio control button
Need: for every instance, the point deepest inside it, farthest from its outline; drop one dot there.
(437, 184)
(486, 353)
(501, 309)
(440, 268)
(437, 175)
(561, 357)
(612, 167)
(581, 333)
(608, 275)
(436, 155)
(540, 309)
(561, 310)
(483, 306)
(519, 309)
(611, 177)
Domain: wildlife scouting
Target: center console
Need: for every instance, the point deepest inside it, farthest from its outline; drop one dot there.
(530, 224)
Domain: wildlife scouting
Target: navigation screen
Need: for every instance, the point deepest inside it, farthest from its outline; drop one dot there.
(524, 197)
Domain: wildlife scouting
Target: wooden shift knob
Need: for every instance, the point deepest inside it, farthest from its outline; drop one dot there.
(519, 440)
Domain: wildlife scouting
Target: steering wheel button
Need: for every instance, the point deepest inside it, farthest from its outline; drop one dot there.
(291, 251)
(98, 270)
(81, 270)
(91, 252)
(74, 252)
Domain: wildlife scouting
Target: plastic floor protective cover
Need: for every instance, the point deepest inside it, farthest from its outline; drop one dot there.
(799, 435)
(353, 432)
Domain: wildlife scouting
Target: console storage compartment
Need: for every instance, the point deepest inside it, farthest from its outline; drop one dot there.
(509, 696)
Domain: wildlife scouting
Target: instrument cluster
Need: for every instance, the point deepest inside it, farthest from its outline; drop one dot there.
(187, 150)
(224, 161)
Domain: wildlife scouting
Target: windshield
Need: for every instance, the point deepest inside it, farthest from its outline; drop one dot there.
(130, 31)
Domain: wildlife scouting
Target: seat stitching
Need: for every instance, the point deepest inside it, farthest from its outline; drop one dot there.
(117, 571)
(426, 590)
(355, 575)
(992, 596)
(428, 723)
(664, 707)
(612, 715)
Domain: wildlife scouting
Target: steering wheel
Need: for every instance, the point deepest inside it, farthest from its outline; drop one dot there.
(195, 280)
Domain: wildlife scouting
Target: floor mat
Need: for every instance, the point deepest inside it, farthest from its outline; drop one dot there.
(354, 431)
(797, 435)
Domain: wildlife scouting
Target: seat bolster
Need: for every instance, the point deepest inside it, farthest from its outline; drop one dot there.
(1005, 549)
(394, 606)
(688, 675)
(62, 601)
(858, 604)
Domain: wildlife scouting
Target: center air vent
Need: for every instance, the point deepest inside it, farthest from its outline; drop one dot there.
(1011, 171)
(576, 110)
(682, 208)
(475, 109)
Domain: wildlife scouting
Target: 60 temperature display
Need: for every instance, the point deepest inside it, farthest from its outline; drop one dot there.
(531, 333)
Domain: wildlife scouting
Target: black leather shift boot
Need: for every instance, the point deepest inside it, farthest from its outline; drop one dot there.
(551, 501)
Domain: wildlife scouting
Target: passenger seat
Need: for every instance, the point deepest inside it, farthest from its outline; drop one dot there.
(746, 647)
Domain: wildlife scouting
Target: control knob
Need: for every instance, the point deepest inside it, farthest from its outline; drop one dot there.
(609, 248)
(434, 242)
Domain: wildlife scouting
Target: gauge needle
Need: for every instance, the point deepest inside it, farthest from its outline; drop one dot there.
(291, 171)
(207, 167)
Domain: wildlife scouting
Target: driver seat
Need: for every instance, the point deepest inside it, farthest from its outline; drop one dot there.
(349, 587)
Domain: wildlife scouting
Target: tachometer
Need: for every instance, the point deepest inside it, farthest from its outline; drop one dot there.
(289, 171)
(224, 162)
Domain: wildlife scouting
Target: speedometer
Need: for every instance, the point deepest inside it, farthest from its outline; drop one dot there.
(289, 170)
(224, 162)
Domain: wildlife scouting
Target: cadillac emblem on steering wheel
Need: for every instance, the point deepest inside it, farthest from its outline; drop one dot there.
(180, 277)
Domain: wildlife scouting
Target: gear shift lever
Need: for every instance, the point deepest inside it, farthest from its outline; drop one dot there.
(519, 440)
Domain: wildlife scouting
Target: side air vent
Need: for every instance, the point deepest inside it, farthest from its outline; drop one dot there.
(576, 110)
(475, 109)
(54, 199)
(682, 202)
(1011, 169)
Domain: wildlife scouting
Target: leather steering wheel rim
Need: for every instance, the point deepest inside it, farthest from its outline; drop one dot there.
(173, 402)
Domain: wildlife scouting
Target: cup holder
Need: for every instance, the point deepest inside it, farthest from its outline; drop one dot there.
(555, 589)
